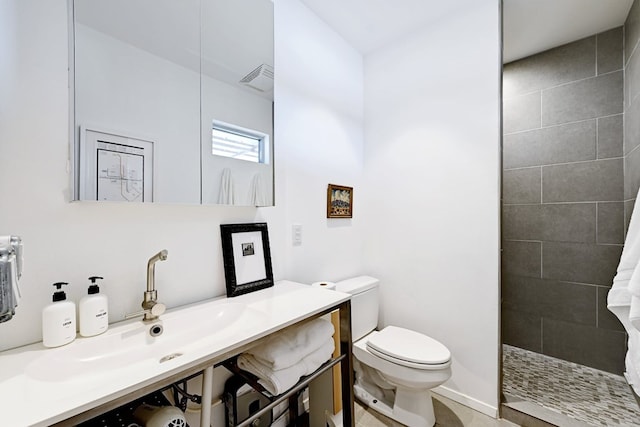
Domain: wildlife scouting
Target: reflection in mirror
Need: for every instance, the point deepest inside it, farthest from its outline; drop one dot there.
(237, 102)
(163, 111)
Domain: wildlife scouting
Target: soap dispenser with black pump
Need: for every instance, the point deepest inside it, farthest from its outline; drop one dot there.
(93, 310)
(59, 319)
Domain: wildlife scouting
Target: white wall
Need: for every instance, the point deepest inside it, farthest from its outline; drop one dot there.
(320, 129)
(425, 189)
(432, 177)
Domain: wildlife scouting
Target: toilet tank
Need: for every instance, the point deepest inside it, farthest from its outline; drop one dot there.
(364, 304)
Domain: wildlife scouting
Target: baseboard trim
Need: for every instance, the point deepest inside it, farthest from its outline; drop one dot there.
(468, 401)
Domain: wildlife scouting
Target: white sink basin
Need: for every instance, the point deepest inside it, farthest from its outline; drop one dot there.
(132, 343)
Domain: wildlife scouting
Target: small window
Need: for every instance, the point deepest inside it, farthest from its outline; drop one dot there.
(239, 143)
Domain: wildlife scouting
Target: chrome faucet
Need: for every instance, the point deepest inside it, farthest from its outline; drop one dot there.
(152, 308)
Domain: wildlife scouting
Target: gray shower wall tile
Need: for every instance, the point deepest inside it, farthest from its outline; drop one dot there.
(521, 258)
(522, 222)
(580, 262)
(572, 61)
(632, 174)
(631, 30)
(583, 99)
(556, 144)
(521, 113)
(611, 222)
(522, 186)
(522, 330)
(551, 299)
(609, 55)
(598, 180)
(606, 319)
(632, 126)
(586, 345)
(575, 222)
(610, 136)
(569, 222)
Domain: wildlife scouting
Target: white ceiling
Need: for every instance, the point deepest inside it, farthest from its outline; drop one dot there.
(530, 26)
(370, 24)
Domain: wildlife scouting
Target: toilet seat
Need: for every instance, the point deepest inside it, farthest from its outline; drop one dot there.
(408, 348)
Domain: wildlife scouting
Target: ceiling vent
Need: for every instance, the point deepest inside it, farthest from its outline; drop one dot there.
(260, 79)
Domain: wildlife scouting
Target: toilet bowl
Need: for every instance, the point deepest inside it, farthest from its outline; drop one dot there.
(395, 367)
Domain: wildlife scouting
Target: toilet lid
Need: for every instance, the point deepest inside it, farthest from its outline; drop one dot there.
(406, 345)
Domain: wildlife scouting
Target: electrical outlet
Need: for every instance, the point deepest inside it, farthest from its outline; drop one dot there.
(297, 234)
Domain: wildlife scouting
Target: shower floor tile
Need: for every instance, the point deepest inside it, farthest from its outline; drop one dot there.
(584, 394)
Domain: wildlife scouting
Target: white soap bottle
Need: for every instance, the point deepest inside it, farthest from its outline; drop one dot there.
(94, 311)
(59, 320)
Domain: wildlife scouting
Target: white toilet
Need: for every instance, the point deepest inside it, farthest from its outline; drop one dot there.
(395, 367)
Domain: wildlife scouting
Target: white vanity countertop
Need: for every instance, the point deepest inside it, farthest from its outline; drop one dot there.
(41, 386)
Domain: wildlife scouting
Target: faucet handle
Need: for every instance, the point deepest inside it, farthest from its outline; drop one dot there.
(156, 310)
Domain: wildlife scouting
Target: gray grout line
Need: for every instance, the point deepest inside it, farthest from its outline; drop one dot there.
(568, 163)
(562, 241)
(589, 202)
(595, 76)
(598, 137)
(562, 124)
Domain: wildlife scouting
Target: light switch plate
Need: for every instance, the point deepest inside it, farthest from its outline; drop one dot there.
(296, 234)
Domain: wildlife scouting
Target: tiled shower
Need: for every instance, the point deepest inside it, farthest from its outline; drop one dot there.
(571, 172)
(563, 201)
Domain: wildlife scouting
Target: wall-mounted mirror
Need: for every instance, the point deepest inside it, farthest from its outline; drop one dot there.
(173, 101)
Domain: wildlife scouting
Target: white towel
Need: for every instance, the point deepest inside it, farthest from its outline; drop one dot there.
(634, 281)
(286, 348)
(277, 382)
(634, 312)
(13, 278)
(628, 262)
(9, 291)
(256, 191)
(226, 196)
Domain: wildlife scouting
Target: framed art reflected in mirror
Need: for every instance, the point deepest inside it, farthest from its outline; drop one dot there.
(247, 257)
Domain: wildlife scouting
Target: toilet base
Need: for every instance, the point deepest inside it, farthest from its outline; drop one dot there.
(421, 414)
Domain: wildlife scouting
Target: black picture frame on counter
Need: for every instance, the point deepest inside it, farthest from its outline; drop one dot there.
(247, 257)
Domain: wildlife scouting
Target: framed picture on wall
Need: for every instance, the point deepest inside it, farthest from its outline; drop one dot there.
(247, 257)
(339, 201)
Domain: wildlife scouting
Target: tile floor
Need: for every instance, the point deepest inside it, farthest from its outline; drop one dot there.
(587, 396)
(448, 414)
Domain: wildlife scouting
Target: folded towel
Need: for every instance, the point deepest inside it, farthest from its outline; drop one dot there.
(9, 293)
(10, 266)
(289, 346)
(277, 382)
